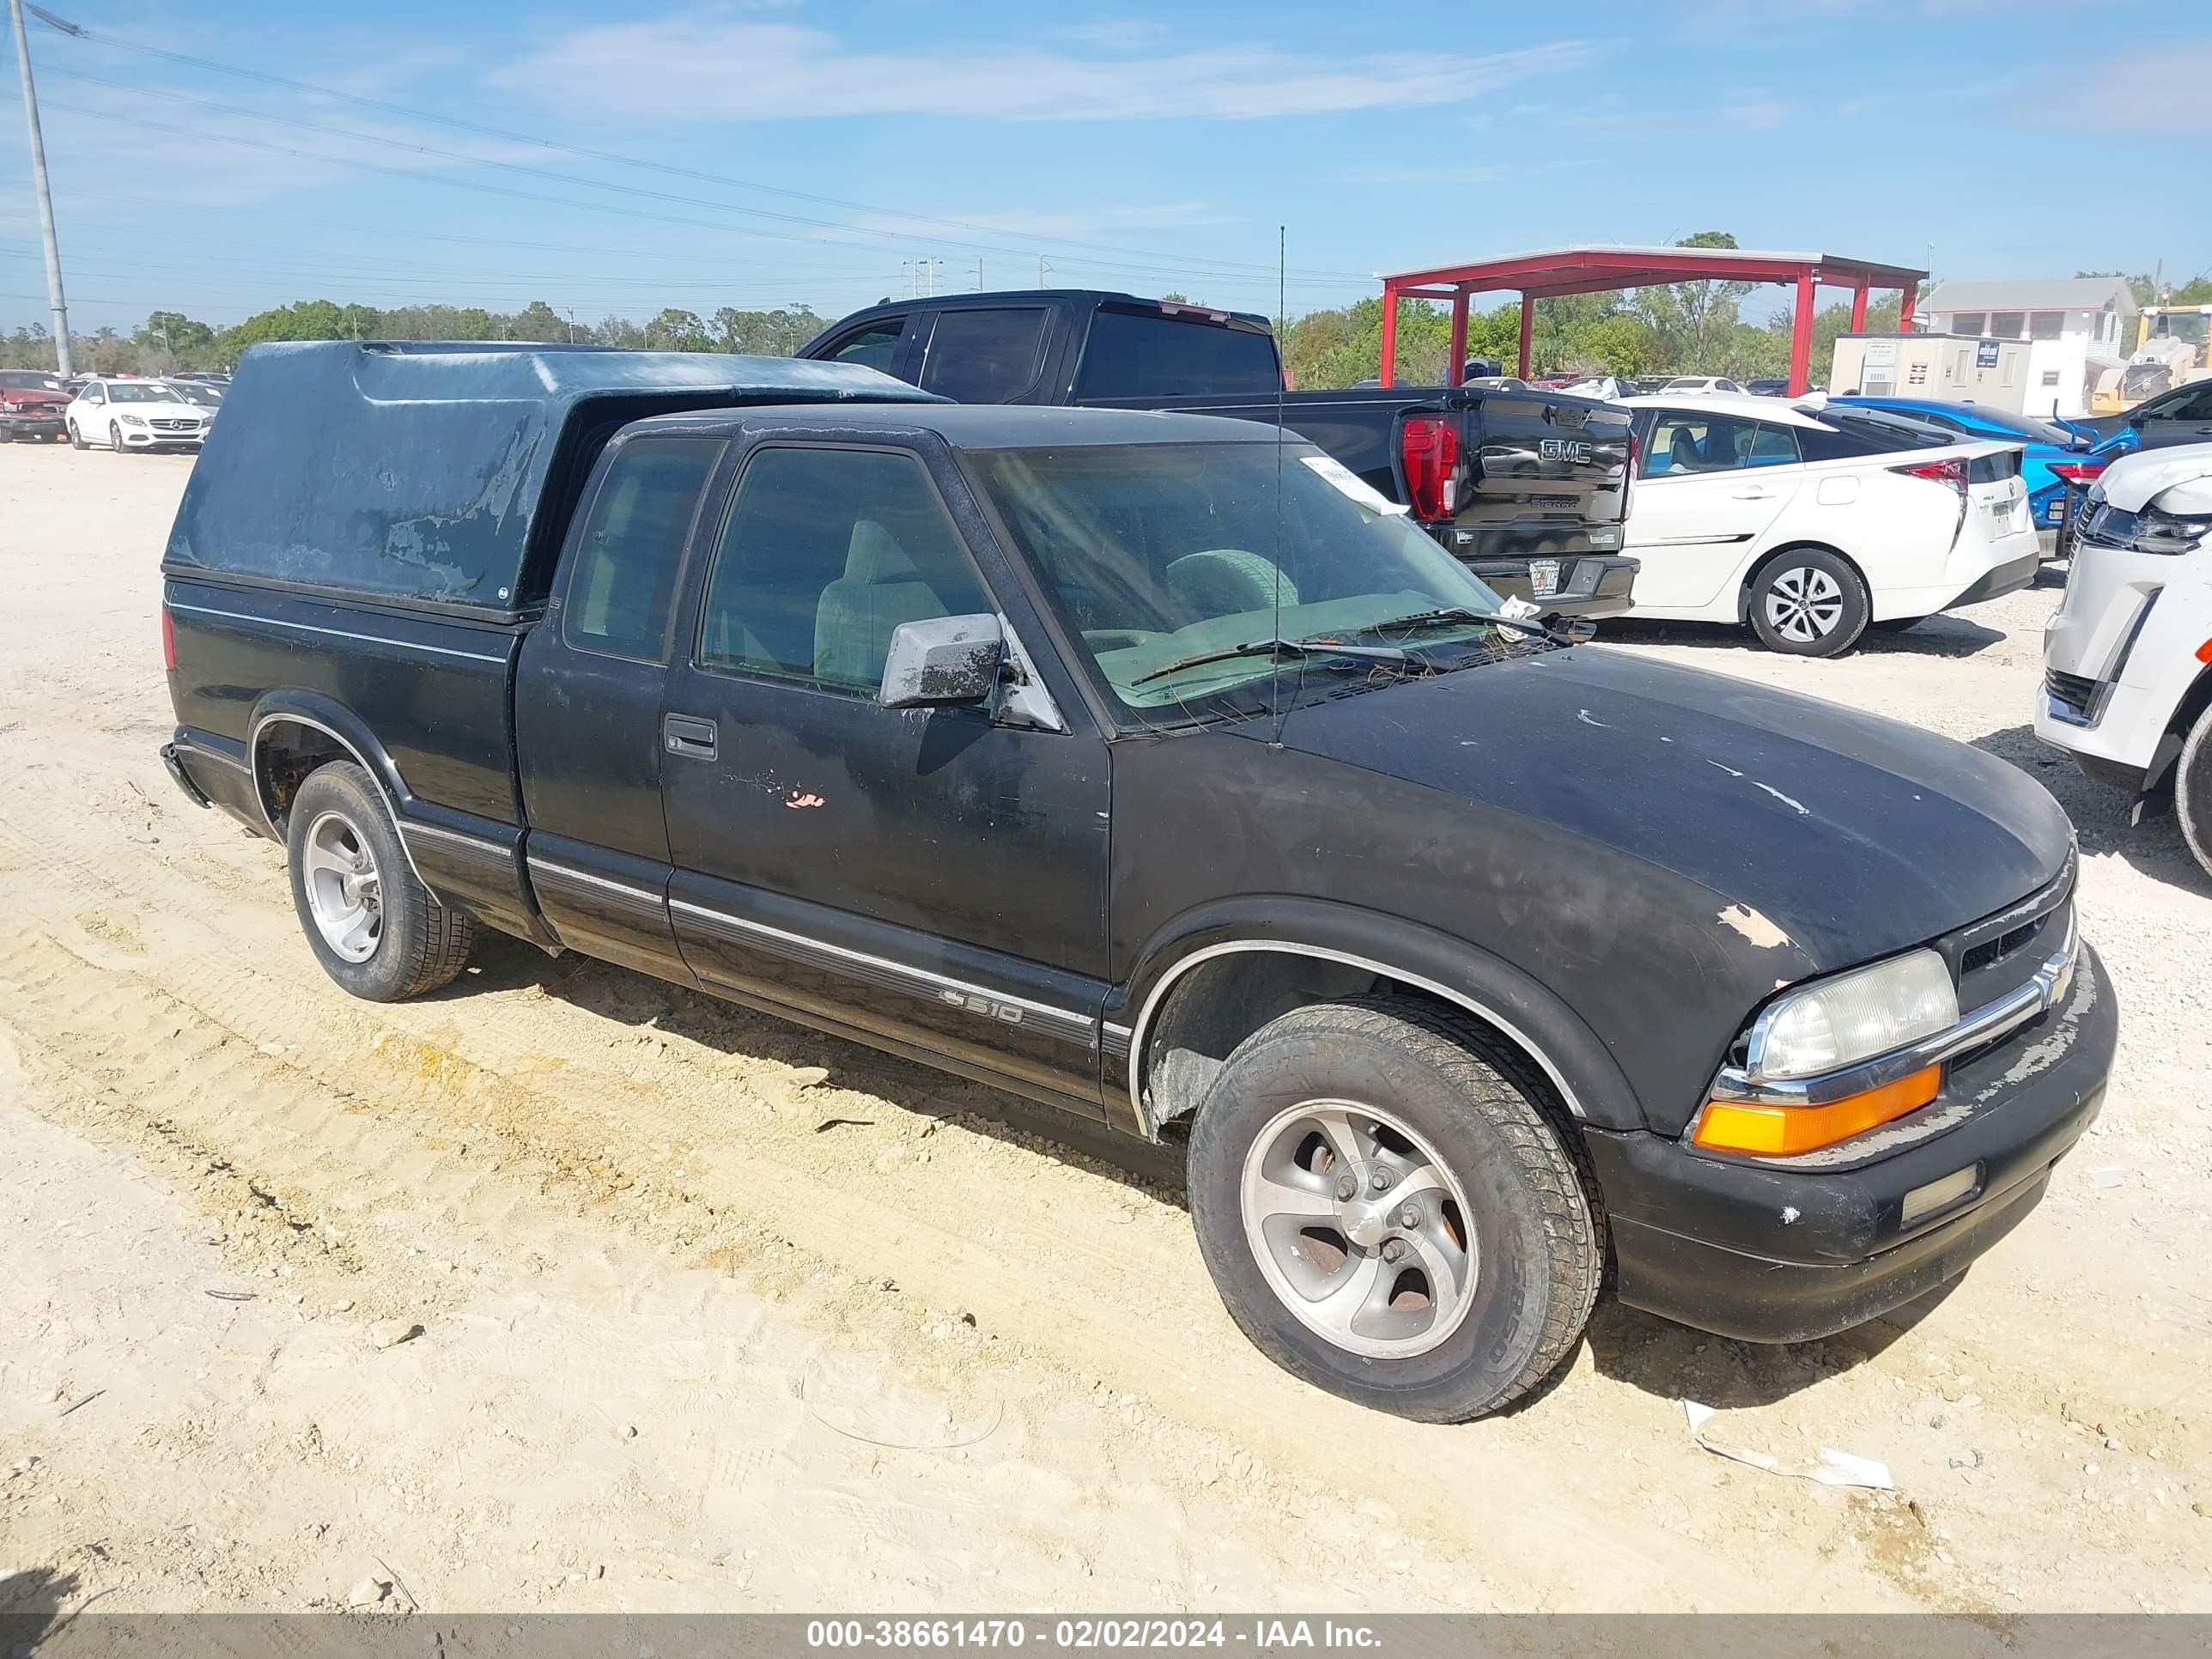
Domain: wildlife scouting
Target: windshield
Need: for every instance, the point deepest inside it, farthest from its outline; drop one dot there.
(18, 380)
(1153, 554)
(192, 394)
(137, 391)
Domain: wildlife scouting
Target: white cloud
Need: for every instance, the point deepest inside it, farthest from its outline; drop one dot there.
(702, 70)
(2160, 90)
(1117, 33)
(1417, 177)
(1756, 114)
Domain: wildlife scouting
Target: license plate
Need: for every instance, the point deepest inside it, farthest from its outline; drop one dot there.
(1543, 577)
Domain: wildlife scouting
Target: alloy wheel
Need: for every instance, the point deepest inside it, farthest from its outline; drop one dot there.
(1804, 603)
(1359, 1228)
(344, 895)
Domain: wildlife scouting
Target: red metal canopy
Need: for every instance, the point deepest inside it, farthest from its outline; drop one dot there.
(1554, 271)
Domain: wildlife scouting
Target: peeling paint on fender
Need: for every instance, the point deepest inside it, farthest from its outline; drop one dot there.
(1754, 926)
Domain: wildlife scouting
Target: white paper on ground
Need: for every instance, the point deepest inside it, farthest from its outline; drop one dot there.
(1835, 1469)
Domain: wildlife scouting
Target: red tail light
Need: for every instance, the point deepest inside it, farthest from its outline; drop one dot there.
(169, 642)
(1429, 446)
(2078, 472)
(1952, 472)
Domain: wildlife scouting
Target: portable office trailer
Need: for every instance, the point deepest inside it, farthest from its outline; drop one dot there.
(1957, 366)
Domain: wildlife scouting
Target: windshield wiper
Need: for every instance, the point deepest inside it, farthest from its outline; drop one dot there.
(1450, 614)
(1270, 648)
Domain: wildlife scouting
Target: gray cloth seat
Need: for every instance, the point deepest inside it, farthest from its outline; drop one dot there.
(1683, 454)
(859, 611)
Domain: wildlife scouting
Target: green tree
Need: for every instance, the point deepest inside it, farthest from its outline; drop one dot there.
(1691, 321)
(777, 333)
(678, 330)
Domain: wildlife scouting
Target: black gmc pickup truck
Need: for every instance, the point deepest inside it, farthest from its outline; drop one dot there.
(1529, 487)
(1139, 764)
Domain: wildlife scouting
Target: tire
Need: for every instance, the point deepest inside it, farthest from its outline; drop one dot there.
(1808, 602)
(1507, 1181)
(76, 438)
(2192, 790)
(400, 941)
(115, 437)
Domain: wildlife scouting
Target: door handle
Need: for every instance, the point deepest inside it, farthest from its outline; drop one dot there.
(688, 735)
(1754, 494)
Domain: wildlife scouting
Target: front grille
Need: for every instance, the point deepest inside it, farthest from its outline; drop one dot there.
(159, 424)
(2074, 690)
(2002, 952)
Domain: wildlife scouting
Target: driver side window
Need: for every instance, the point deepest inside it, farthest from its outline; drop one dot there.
(825, 552)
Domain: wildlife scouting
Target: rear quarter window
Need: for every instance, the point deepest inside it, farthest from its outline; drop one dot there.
(989, 356)
(1133, 354)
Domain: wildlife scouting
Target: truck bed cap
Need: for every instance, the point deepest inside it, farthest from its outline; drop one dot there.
(415, 472)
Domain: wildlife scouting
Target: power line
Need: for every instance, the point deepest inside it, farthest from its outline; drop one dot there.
(99, 38)
(205, 135)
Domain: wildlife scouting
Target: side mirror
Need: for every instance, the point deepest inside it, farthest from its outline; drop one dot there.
(945, 660)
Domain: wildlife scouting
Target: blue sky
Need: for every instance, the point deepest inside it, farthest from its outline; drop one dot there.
(1128, 145)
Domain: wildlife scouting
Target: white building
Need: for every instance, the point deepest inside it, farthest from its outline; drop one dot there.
(2075, 327)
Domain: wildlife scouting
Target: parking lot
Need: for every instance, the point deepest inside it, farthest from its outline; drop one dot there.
(567, 1287)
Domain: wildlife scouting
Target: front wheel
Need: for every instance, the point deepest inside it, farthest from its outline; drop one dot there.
(115, 437)
(1388, 1214)
(378, 931)
(1808, 602)
(2192, 790)
(76, 438)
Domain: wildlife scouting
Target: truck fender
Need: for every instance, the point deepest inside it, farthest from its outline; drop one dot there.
(317, 712)
(1591, 1083)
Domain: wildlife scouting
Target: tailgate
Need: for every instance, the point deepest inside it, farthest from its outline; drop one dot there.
(1995, 489)
(1544, 473)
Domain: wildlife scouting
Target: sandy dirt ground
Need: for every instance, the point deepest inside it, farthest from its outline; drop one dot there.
(566, 1289)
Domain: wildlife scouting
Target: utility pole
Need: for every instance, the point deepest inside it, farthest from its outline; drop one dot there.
(1043, 265)
(54, 300)
(979, 273)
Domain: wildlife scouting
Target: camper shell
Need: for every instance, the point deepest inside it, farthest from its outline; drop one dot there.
(441, 475)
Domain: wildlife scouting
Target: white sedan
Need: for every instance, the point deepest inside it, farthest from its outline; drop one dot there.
(1810, 530)
(133, 415)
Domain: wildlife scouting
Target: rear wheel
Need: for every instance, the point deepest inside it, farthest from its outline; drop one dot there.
(378, 931)
(2192, 790)
(1388, 1212)
(1809, 602)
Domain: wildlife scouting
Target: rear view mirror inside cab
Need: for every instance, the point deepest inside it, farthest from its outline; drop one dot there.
(943, 661)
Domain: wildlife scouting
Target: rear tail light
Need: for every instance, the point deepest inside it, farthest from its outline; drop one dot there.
(2080, 474)
(1952, 472)
(169, 642)
(1429, 446)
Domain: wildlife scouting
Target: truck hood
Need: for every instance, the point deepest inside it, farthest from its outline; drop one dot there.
(1852, 836)
(24, 397)
(2132, 483)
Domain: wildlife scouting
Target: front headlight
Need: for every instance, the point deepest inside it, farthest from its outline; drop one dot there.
(1853, 1017)
(2158, 532)
(132, 420)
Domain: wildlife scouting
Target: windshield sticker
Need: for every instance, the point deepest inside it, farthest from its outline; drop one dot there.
(1351, 483)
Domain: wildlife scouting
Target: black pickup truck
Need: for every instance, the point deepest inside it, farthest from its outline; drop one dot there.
(1529, 487)
(1134, 763)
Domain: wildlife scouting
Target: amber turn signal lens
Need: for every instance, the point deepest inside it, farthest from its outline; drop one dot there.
(1736, 1126)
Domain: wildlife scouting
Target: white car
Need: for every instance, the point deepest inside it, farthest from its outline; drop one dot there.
(133, 415)
(1699, 384)
(1609, 388)
(1751, 511)
(2127, 662)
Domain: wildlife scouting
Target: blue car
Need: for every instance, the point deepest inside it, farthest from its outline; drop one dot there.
(2059, 461)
